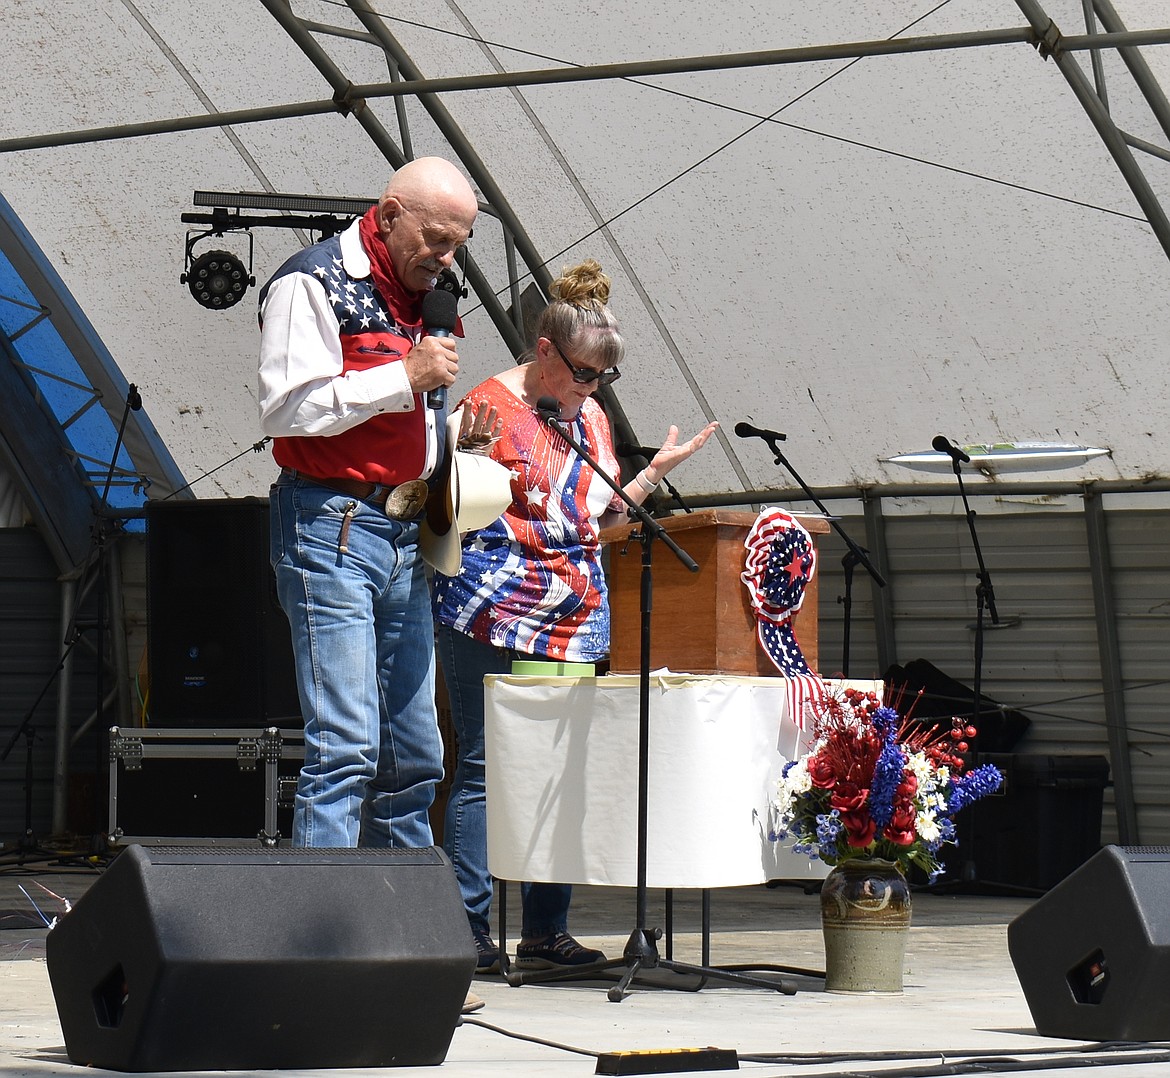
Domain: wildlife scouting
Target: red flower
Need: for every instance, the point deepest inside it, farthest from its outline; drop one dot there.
(821, 772)
(901, 830)
(859, 829)
(848, 797)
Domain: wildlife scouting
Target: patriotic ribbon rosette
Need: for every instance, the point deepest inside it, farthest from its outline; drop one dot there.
(780, 562)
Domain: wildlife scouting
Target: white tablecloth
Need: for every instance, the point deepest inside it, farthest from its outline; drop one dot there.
(562, 779)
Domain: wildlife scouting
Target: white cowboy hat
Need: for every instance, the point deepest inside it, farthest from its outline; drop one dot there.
(478, 490)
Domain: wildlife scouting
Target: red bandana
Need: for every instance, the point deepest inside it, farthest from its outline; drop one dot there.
(406, 306)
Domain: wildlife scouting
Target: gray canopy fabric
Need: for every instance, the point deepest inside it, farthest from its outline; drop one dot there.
(922, 234)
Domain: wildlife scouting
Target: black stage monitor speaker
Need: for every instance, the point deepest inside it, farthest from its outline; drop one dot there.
(261, 959)
(1093, 954)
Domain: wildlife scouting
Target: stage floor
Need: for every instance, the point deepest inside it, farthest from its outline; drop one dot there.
(962, 1000)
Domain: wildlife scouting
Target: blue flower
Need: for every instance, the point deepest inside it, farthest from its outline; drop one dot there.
(828, 828)
(887, 772)
(885, 722)
(972, 786)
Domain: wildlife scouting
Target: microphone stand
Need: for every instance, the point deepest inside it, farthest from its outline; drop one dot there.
(101, 539)
(984, 598)
(29, 847)
(641, 951)
(984, 594)
(854, 555)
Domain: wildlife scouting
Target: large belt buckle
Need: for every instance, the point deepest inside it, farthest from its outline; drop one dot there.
(406, 501)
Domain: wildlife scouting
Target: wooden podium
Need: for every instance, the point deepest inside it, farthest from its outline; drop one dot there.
(700, 623)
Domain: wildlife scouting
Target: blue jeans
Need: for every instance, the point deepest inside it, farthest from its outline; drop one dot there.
(363, 643)
(546, 905)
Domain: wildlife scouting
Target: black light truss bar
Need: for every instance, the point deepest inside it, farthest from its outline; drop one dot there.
(267, 200)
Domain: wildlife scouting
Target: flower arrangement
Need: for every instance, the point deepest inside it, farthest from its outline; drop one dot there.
(876, 784)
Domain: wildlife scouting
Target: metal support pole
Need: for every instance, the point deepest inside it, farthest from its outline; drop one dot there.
(64, 692)
(883, 613)
(1116, 726)
(116, 627)
(394, 154)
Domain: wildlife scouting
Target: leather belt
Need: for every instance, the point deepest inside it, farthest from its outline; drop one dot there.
(405, 501)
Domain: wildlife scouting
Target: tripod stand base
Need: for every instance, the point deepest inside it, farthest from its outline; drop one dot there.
(639, 956)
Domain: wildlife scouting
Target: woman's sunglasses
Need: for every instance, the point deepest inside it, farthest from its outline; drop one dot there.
(587, 375)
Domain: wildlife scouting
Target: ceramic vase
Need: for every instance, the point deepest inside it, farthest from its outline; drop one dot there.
(865, 917)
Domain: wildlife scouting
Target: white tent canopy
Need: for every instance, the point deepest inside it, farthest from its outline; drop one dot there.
(862, 252)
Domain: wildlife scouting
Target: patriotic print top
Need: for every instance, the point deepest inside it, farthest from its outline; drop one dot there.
(532, 580)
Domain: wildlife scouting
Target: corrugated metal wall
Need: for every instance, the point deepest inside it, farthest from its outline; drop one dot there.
(30, 653)
(1048, 664)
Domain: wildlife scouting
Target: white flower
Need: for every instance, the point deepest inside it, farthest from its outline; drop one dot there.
(934, 801)
(797, 780)
(927, 826)
(922, 768)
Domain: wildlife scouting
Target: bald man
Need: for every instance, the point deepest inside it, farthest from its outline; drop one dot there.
(344, 373)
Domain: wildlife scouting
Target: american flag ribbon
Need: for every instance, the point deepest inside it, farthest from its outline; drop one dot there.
(779, 564)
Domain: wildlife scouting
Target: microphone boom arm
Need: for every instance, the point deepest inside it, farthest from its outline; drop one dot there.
(856, 554)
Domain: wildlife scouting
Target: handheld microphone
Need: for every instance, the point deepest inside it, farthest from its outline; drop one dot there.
(439, 315)
(746, 430)
(628, 449)
(549, 410)
(942, 445)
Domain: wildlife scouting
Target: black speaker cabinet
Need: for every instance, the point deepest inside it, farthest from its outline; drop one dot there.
(220, 647)
(1093, 955)
(259, 959)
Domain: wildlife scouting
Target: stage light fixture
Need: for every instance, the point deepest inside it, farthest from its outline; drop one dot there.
(991, 459)
(217, 280)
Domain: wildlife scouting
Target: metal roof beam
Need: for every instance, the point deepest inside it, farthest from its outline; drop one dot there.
(1054, 44)
(1136, 63)
(350, 97)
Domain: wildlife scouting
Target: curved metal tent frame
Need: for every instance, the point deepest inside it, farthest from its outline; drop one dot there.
(149, 462)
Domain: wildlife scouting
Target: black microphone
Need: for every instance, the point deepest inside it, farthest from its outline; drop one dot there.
(942, 445)
(549, 410)
(628, 449)
(134, 398)
(746, 430)
(439, 315)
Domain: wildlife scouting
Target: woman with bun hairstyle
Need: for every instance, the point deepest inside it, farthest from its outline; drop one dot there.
(531, 583)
